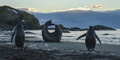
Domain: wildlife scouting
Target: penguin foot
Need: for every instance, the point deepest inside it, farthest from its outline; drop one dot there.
(20, 48)
(16, 48)
(91, 49)
(88, 49)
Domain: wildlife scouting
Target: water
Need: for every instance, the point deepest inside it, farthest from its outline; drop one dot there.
(106, 36)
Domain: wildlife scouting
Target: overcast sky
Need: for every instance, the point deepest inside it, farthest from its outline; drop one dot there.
(46, 6)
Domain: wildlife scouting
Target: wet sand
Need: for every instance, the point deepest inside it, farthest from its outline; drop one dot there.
(36, 49)
(39, 50)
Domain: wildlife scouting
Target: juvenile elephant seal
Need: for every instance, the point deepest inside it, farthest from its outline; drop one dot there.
(51, 37)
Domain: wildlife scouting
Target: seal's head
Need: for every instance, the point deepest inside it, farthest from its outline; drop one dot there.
(49, 23)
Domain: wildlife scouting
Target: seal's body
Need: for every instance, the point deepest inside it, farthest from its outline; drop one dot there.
(51, 37)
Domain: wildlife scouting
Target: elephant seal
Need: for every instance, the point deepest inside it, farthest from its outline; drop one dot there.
(51, 37)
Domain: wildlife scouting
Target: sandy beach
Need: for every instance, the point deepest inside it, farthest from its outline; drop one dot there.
(39, 50)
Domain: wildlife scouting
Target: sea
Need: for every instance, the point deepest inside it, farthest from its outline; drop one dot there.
(111, 37)
(106, 36)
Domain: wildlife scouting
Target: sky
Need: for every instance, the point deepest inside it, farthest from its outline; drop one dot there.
(47, 6)
(92, 12)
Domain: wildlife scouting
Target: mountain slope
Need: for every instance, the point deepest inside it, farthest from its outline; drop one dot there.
(82, 19)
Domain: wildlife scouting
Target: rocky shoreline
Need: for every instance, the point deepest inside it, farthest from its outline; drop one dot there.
(9, 53)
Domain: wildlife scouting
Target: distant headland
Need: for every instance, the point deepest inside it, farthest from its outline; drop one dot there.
(9, 17)
(96, 27)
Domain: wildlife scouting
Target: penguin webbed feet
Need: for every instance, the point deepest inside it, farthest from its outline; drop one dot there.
(91, 49)
(19, 48)
(11, 41)
(100, 43)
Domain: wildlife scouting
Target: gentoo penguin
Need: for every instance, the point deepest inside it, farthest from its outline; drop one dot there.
(51, 37)
(18, 35)
(90, 40)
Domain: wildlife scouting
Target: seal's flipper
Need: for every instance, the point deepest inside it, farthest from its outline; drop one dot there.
(97, 38)
(82, 36)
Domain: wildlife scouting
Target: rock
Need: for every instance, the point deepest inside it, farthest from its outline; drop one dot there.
(65, 31)
(106, 34)
(28, 32)
(101, 27)
(9, 17)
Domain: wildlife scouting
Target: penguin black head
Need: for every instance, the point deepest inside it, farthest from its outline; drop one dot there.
(49, 23)
(91, 28)
(22, 22)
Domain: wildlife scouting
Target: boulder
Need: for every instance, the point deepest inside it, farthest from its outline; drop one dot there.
(9, 17)
(101, 27)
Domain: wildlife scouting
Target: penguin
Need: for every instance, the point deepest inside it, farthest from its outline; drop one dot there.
(18, 36)
(90, 40)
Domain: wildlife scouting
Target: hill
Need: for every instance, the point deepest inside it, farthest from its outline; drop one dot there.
(81, 18)
(9, 17)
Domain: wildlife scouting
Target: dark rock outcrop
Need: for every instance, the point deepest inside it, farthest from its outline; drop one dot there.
(101, 27)
(9, 17)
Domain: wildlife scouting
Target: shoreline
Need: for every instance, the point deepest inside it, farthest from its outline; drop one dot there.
(40, 44)
(10, 53)
(36, 48)
(76, 46)
(58, 51)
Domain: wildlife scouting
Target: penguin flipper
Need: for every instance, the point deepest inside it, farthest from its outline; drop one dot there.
(12, 35)
(97, 38)
(82, 36)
